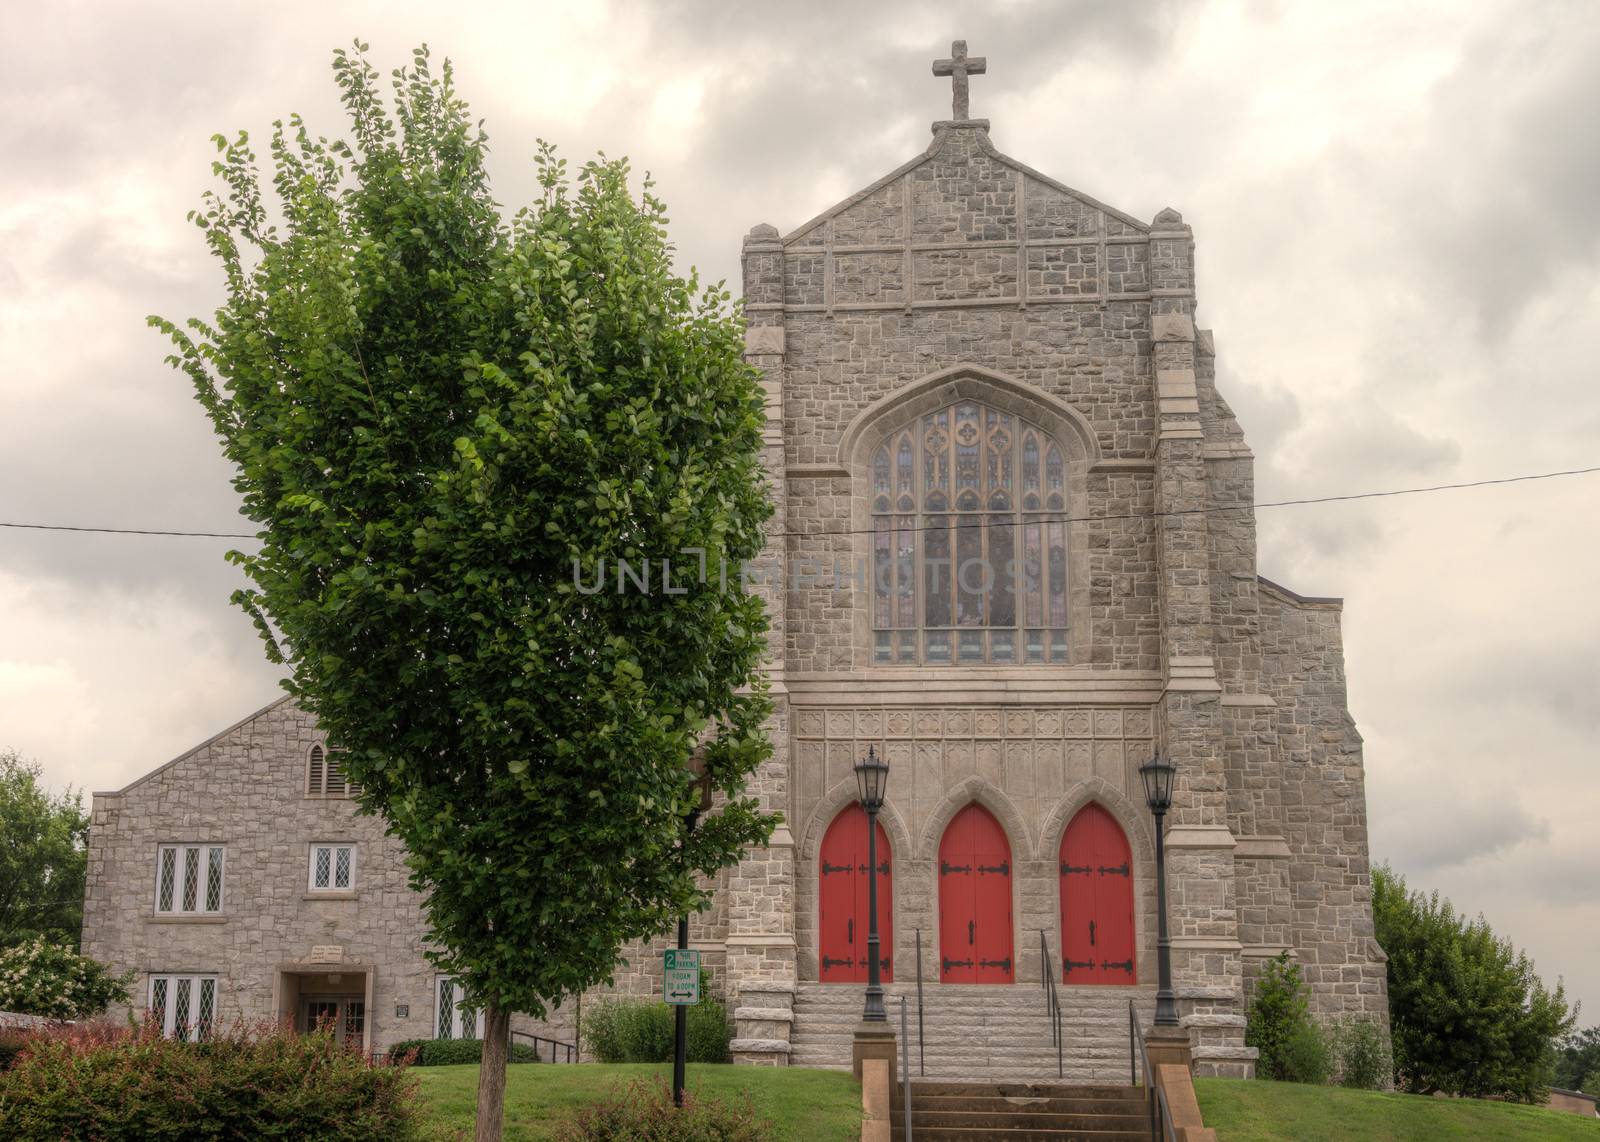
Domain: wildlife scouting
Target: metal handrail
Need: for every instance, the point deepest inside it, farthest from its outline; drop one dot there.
(1052, 1000)
(1161, 1128)
(905, 1066)
(570, 1048)
(922, 1050)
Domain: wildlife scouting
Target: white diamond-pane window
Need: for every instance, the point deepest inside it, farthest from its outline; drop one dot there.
(166, 881)
(333, 868)
(158, 999)
(184, 1006)
(447, 1009)
(325, 776)
(189, 879)
(208, 1009)
(180, 1007)
(214, 879)
(969, 544)
(455, 1018)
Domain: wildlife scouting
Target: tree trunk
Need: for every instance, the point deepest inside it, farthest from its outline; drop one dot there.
(492, 1074)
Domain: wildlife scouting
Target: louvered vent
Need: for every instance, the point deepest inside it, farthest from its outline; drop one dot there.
(316, 771)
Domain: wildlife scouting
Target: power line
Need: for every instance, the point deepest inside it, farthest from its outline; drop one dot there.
(1032, 518)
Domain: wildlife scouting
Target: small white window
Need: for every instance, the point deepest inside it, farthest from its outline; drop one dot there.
(456, 1018)
(185, 1006)
(189, 880)
(333, 868)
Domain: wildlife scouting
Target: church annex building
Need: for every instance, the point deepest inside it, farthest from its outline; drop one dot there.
(966, 363)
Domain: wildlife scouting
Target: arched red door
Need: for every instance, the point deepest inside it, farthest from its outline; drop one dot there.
(975, 900)
(842, 901)
(1096, 900)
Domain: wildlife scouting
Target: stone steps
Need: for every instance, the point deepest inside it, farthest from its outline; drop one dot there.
(1022, 1112)
(977, 1032)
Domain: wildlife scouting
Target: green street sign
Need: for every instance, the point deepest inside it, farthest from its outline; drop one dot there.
(680, 977)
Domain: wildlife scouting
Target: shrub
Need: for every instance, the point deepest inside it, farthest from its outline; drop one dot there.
(1305, 1057)
(452, 1052)
(642, 1030)
(128, 1083)
(1361, 1049)
(11, 1045)
(643, 1110)
(1279, 1015)
(52, 980)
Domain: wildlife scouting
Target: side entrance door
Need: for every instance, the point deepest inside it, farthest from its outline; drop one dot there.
(975, 944)
(842, 897)
(1096, 900)
(347, 1015)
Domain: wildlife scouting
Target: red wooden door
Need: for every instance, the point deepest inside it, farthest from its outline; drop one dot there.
(842, 914)
(975, 900)
(1096, 901)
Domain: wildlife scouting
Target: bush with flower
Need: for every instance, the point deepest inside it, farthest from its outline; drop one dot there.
(52, 980)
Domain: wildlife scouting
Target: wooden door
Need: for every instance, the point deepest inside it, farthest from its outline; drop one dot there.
(842, 912)
(975, 944)
(1096, 901)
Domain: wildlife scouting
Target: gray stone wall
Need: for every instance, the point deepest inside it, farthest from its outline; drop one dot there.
(246, 790)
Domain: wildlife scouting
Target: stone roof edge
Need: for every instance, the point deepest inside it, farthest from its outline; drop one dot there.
(1294, 600)
(188, 753)
(990, 149)
(940, 135)
(839, 207)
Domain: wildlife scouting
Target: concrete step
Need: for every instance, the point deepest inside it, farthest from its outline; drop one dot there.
(987, 1032)
(1020, 1119)
(1025, 1090)
(1024, 1134)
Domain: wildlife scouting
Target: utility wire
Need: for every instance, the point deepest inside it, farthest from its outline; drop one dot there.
(1031, 517)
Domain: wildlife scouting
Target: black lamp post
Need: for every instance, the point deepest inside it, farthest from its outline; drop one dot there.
(872, 778)
(1157, 774)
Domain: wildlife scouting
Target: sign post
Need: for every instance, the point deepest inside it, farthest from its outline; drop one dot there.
(680, 985)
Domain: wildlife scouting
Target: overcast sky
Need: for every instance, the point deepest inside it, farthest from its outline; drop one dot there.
(1397, 211)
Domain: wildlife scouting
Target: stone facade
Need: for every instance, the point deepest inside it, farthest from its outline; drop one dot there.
(963, 276)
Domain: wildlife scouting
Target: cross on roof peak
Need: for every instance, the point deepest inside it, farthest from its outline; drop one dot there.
(958, 67)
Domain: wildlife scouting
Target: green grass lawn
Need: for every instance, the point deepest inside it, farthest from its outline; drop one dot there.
(803, 1105)
(1260, 1111)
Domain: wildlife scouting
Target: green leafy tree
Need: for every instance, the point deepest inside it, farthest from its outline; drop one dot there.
(43, 856)
(1467, 1012)
(41, 978)
(449, 426)
(1578, 1062)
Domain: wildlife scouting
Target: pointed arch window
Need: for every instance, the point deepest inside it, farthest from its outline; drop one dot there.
(969, 541)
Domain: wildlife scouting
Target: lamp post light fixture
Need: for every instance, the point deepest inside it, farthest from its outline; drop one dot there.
(872, 779)
(1157, 775)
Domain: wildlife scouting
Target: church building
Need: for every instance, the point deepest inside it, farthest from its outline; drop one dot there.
(1014, 553)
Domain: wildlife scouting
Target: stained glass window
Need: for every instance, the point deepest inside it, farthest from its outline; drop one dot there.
(969, 543)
